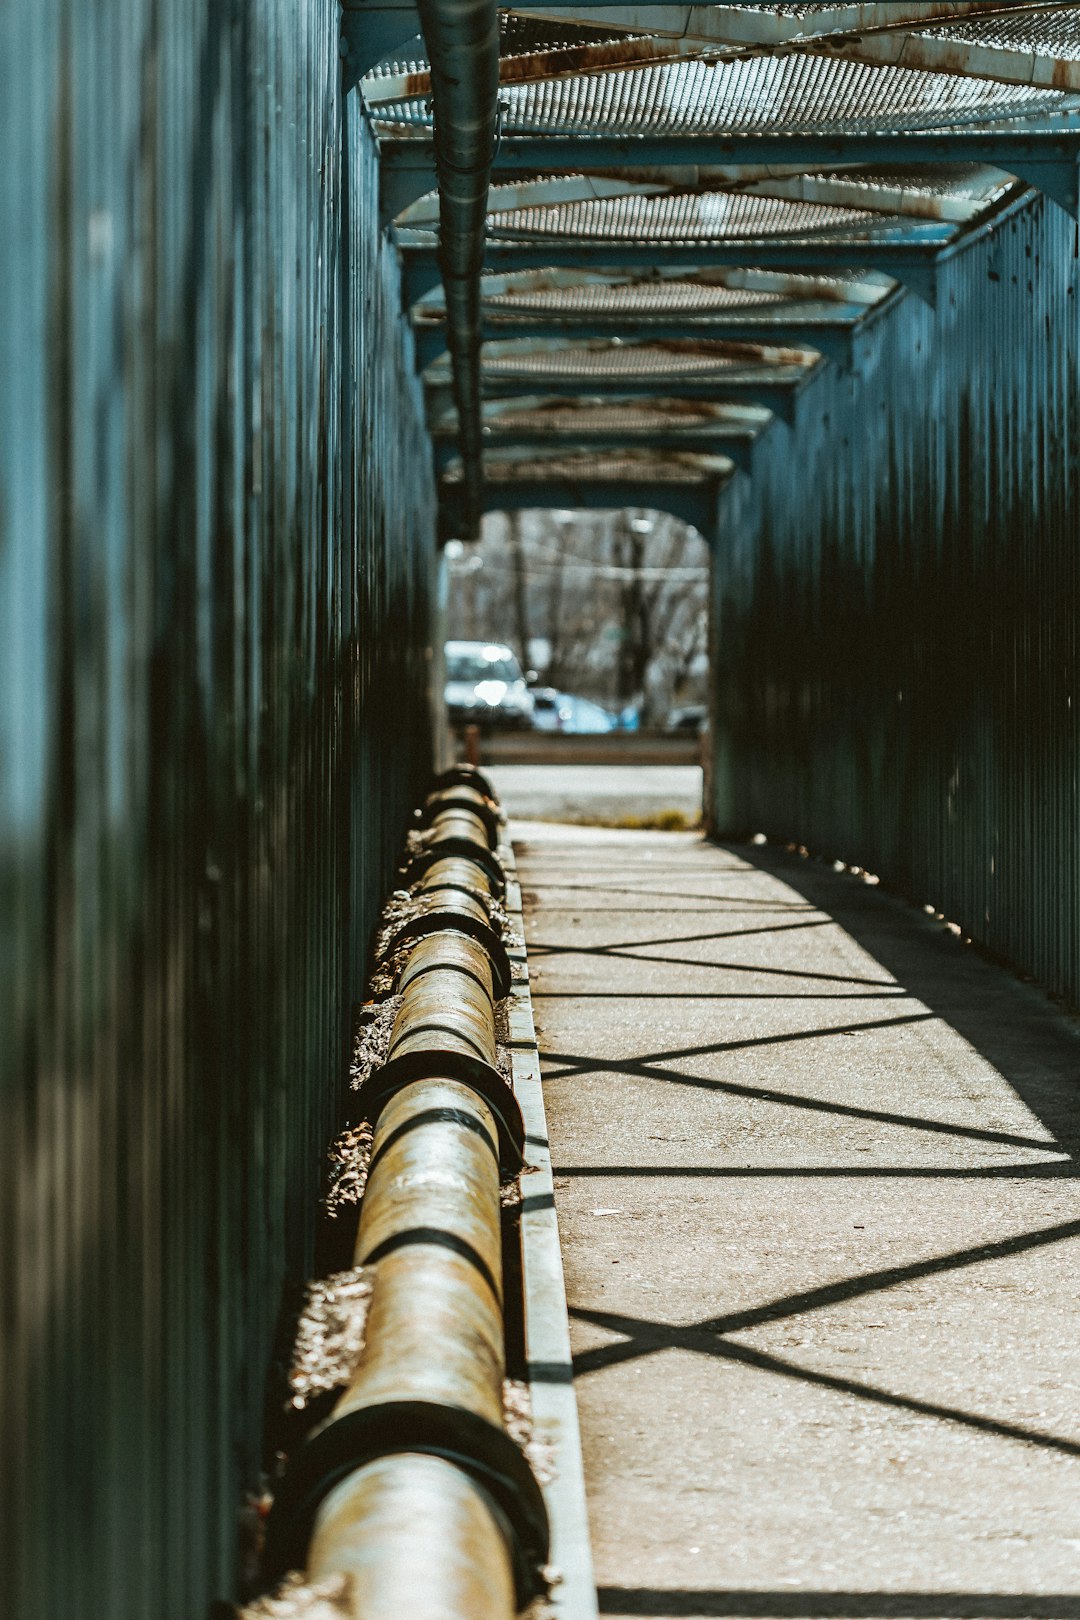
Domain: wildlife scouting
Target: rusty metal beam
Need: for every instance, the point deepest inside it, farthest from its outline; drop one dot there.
(775, 393)
(385, 90)
(722, 37)
(736, 444)
(729, 22)
(824, 327)
(945, 51)
(907, 254)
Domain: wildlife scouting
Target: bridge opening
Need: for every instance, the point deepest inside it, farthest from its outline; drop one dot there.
(607, 613)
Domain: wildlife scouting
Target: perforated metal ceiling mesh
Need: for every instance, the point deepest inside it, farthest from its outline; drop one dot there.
(616, 419)
(709, 216)
(1040, 33)
(758, 93)
(966, 181)
(518, 36)
(633, 360)
(646, 298)
(592, 469)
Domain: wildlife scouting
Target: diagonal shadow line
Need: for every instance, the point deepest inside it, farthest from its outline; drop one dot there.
(574, 1067)
(661, 1603)
(887, 994)
(695, 896)
(725, 1350)
(702, 1343)
(685, 905)
(874, 1282)
(654, 905)
(703, 1333)
(616, 945)
(707, 1048)
(726, 967)
(1039, 1170)
(904, 1403)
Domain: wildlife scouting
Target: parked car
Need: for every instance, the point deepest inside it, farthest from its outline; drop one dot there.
(551, 709)
(588, 716)
(485, 686)
(692, 717)
(562, 711)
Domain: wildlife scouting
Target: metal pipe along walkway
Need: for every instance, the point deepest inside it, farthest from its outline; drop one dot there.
(815, 1166)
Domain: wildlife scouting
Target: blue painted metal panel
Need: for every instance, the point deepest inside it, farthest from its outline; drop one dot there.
(216, 513)
(897, 603)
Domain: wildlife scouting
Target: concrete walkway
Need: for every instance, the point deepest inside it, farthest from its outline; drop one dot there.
(598, 792)
(822, 1236)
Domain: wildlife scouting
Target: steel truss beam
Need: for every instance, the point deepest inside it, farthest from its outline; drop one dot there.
(888, 43)
(777, 395)
(760, 28)
(1043, 152)
(907, 254)
(830, 335)
(735, 443)
(693, 503)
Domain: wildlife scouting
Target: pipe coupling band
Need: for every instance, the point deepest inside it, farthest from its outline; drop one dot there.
(487, 1454)
(449, 919)
(448, 800)
(433, 1064)
(484, 858)
(462, 776)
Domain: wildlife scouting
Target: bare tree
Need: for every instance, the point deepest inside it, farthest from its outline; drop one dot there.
(619, 598)
(521, 607)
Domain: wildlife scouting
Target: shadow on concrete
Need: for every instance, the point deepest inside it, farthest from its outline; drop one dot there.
(1014, 1026)
(664, 1604)
(572, 1064)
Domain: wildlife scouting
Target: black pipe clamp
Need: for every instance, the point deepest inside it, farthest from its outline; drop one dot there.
(433, 1063)
(480, 1449)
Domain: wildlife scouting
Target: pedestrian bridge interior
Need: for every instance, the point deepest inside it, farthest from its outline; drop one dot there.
(294, 295)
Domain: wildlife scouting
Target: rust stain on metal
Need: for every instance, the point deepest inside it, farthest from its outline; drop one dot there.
(575, 59)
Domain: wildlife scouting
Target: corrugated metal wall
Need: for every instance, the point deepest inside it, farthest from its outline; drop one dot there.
(898, 603)
(216, 518)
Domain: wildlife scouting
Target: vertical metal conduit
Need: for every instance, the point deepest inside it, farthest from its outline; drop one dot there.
(412, 1492)
(462, 38)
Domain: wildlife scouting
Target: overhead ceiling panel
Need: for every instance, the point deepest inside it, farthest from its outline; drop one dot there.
(1020, 46)
(664, 362)
(655, 417)
(686, 217)
(1051, 33)
(776, 25)
(642, 298)
(613, 411)
(671, 468)
(793, 93)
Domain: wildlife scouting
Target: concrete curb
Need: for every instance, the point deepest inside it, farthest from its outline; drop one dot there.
(547, 1328)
